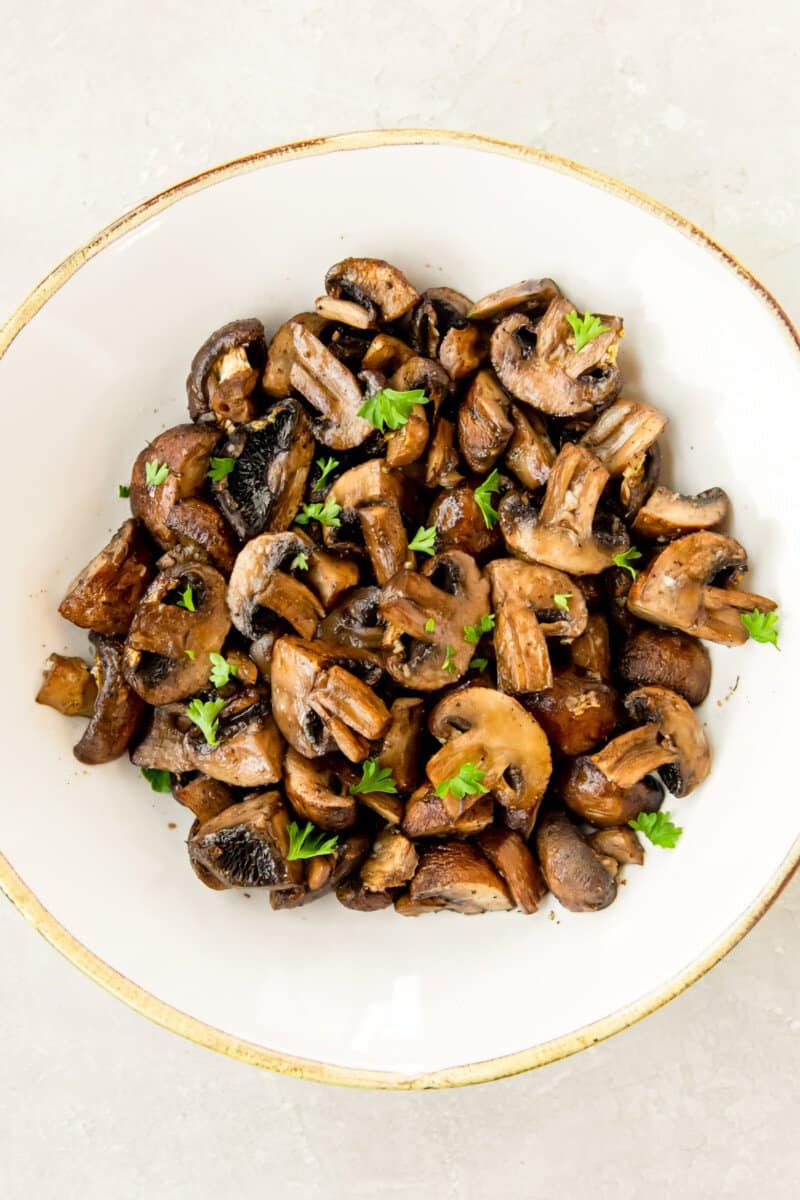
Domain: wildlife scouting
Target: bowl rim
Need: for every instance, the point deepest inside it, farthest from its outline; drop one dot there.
(173, 1019)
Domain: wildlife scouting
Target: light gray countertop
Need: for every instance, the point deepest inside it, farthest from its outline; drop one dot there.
(107, 102)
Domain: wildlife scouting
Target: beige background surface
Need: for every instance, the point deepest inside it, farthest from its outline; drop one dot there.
(695, 103)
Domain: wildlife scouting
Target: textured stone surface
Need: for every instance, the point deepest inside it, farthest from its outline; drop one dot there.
(105, 103)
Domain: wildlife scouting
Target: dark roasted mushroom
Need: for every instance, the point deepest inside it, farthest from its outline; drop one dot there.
(484, 424)
(105, 594)
(460, 524)
(391, 862)
(576, 712)
(225, 371)
(205, 797)
(442, 467)
(438, 328)
(248, 751)
(357, 621)
(426, 816)
(457, 876)
(374, 284)
(117, 710)
(591, 652)
(262, 586)
(318, 791)
(669, 659)
(352, 894)
(247, 844)
(618, 842)
(623, 434)
(280, 354)
(164, 745)
(530, 453)
(324, 874)
(331, 577)
(331, 389)
(185, 452)
(680, 729)
(509, 855)
(613, 786)
(529, 296)
(400, 750)
(574, 873)
(200, 527)
(68, 686)
(371, 497)
(668, 514)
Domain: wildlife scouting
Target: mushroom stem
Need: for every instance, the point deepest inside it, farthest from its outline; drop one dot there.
(573, 491)
(622, 433)
(385, 539)
(632, 755)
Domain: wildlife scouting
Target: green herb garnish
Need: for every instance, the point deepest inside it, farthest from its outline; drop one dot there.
(449, 663)
(424, 540)
(221, 670)
(473, 633)
(478, 664)
(658, 827)
(430, 625)
(326, 514)
(220, 467)
(585, 328)
(309, 842)
(190, 654)
(299, 562)
(155, 472)
(123, 491)
(374, 778)
(186, 599)
(625, 558)
(205, 715)
(160, 781)
(467, 782)
(561, 600)
(761, 626)
(490, 485)
(389, 409)
(325, 468)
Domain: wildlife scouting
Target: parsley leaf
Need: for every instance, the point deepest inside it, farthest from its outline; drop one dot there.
(326, 514)
(561, 600)
(585, 328)
(389, 409)
(478, 664)
(430, 625)
(472, 633)
(309, 842)
(490, 485)
(206, 717)
(299, 562)
(123, 491)
(325, 468)
(449, 663)
(761, 626)
(468, 782)
(190, 654)
(186, 599)
(374, 778)
(625, 558)
(220, 467)
(221, 670)
(155, 472)
(424, 540)
(160, 781)
(658, 827)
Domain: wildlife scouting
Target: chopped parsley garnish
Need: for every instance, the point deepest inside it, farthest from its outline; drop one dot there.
(473, 633)
(160, 781)
(326, 514)
(467, 782)
(625, 558)
(483, 493)
(220, 467)
(186, 599)
(761, 626)
(221, 670)
(205, 715)
(326, 466)
(585, 328)
(389, 409)
(658, 827)
(309, 842)
(374, 778)
(155, 473)
(424, 540)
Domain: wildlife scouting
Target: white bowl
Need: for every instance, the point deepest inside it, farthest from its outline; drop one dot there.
(97, 356)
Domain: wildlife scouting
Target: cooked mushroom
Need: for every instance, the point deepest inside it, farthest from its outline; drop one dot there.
(248, 751)
(425, 374)
(591, 652)
(613, 786)
(484, 425)
(225, 371)
(200, 527)
(156, 662)
(391, 862)
(530, 295)
(331, 389)
(562, 533)
(374, 284)
(623, 434)
(68, 686)
(324, 874)
(205, 797)
(438, 328)
(638, 480)
(247, 844)
(574, 873)
(620, 843)
(331, 577)
(453, 594)
(460, 524)
(530, 453)
(263, 491)
(318, 791)
(105, 594)
(262, 585)
(510, 856)
(184, 452)
(117, 710)
(371, 497)
(164, 745)
(496, 735)
(357, 621)
(346, 312)
(386, 353)
(672, 660)
(577, 713)
(668, 514)
(280, 354)
(526, 613)
(426, 816)
(680, 728)
(400, 751)
(676, 589)
(457, 876)
(352, 894)
(442, 464)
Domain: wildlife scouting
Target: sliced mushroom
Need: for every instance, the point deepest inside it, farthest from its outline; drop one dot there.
(442, 467)
(164, 746)
(437, 311)
(676, 589)
(374, 284)
(247, 844)
(331, 389)
(574, 873)
(357, 621)
(460, 524)
(400, 751)
(262, 585)
(386, 353)
(510, 856)
(620, 843)
(225, 371)
(248, 751)
(452, 593)
(577, 713)
(391, 862)
(68, 686)
(324, 874)
(668, 659)
(530, 295)
(117, 709)
(668, 515)
(494, 733)
(331, 577)
(613, 786)
(346, 312)
(526, 614)
(591, 652)
(562, 533)
(185, 451)
(156, 662)
(638, 480)
(353, 894)
(272, 456)
(425, 374)
(205, 797)
(200, 527)
(280, 354)
(318, 791)
(530, 453)
(457, 876)
(426, 816)
(623, 433)
(680, 728)
(484, 425)
(371, 498)
(105, 594)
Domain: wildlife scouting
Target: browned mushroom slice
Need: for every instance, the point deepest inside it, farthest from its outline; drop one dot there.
(247, 844)
(262, 585)
(352, 712)
(509, 855)
(442, 467)
(457, 876)
(460, 524)
(484, 425)
(248, 751)
(496, 735)
(613, 785)
(371, 498)
(318, 791)
(200, 527)
(225, 371)
(184, 453)
(426, 816)
(452, 593)
(353, 894)
(117, 709)
(324, 874)
(205, 797)
(357, 621)
(372, 283)
(426, 374)
(391, 862)
(407, 444)
(523, 600)
(156, 662)
(68, 686)
(620, 843)
(561, 534)
(574, 873)
(676, 589)
(400, 750)
(668, 514)
(263, 491)
(438, 328)
(280, 354)
(205, 876)
(637, 481)
(386, 353)
(530, 453)
(576, 713)
(346, 312)
(329, 388)
(105, 594)
(530, 295)
(163, 746)
(404, 906)
(591, 652)
(623, 433)
(680, 728)
(331, 577)
(672, 660)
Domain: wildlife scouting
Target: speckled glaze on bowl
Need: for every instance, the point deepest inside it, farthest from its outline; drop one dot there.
(99, 351)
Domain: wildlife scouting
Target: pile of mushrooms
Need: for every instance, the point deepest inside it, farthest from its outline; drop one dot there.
(403, 612)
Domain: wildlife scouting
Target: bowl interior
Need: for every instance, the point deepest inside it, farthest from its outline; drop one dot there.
(101, 368)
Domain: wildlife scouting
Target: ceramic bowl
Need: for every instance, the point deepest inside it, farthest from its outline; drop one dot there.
(96, 358)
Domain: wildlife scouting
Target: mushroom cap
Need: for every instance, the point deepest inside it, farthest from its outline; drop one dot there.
(371, 483)
(530, 454)
(356, 621)
(619, 842)
(510, 856)
(261, 583)
(669, 659)
(443, 466)
(529, 295)
(226, 369)
(573, 872)
(591, 652)
(68, 686)
(248, 751)
(205, 797)
(105, 594)
(373, 282)
(484, 424)
(186, 450)
(280, 354)
(595, 798)
(668, 514)
(201, 528)
(679, 725)
(352, 894)
(246, 845)
(117, 709)
(163, 746)
(460, 524)
(456, 875)
(391, 861)
(402, 741)
(318, 790)
(426, 816)
(576, 712)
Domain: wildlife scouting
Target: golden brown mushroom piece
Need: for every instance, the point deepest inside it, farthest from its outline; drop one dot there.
(460, 524)
(203, 531)
(68, 686)
(573, 871)
(680, 729)
(562, 533)
(576, 712)
(613, 785)
(331, 389)
(184, 452)
(324, 873)
(591, 652)
(225, 371)
(400, 751)
(318, 791)
(356, 621)
(623, 434)
(510, 856)
(386, 353)
(452, 594)
(676, 589)
(426, 816)
(117, 709)
(262, 585)
(352, 894)
(526, 614)
(371, 498)
(407, 444)
(374, 284)
(484, 424)
(248, 751)
(456, 876)
(529, 296)
(163, 746)
(205, 797)
(667, 514)
(391, 862)
(247, 844)
(495, 734)
(618, 842)
(105, 594)
(280, 354)
(438, 328)
(442, 467)
(530, 453)
(669, 659)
